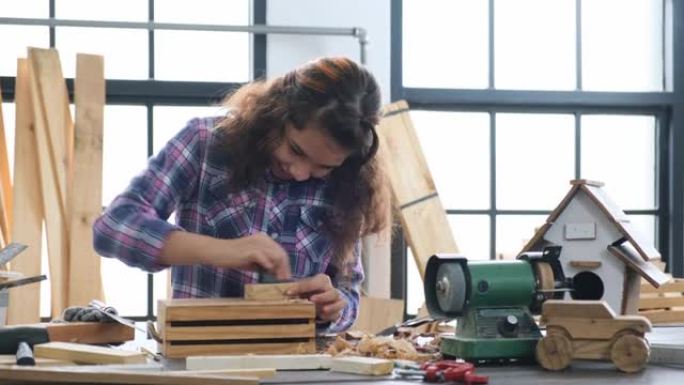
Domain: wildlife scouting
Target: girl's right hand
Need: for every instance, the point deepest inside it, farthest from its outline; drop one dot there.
(258, 252)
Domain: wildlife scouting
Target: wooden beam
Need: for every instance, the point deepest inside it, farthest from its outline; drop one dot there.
(90, 332)
(24, 302)
(48, 94)
(85, 199)
(95, 375)
(267, 291)
(370, 366)
(87, 354)
(5, 186)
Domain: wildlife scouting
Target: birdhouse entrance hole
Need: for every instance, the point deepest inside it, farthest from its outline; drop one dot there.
(587, 286)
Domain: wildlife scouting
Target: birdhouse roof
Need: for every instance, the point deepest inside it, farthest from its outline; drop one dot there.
(634, 250)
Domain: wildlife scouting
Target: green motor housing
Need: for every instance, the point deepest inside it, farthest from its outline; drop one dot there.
(490, 300)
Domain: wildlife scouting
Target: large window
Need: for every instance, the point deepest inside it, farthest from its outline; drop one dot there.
(157, 80)
(513, 99)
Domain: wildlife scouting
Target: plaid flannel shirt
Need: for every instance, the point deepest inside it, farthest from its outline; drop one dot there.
(186, 177)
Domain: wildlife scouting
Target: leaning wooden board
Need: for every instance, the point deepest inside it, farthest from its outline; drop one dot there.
(423, 218)
(89, 375)
(235, 326)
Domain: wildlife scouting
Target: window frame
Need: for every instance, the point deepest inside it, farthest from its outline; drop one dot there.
(150, 93)
(665, 106)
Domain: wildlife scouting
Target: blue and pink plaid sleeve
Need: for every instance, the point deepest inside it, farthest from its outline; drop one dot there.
(349, 286)
(133, 228)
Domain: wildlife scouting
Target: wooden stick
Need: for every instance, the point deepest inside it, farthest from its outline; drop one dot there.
(87, 354)
(48, 94)
(85, 278)
(24, 302)
(5, 186)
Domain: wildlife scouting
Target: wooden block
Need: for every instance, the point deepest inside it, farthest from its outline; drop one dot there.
(267, 291)
(553, 309)
(90, 375)
(24, 302)
(599, 329)
(278, 362)
(87, 354)
(180, 351)
(48, 96)
(236, 326)
(90, 332)
(259, 373)
(85, 196)
(362, 365)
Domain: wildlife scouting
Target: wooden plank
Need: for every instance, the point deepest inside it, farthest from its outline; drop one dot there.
(52, 92)
(422, 215)
(661, 302)
(268, 291)
(677, 285)
(87, 354)
(89, 375)
(362, 365)
(278, 362)
(48, 95)
(11, 359)
(647, 270)
(427, 231)
(5, 185)
(85, 278)
(234, 309)
(24, 302)
(376, 314)
(242, 332)
(664, 316)
(90, 332)
(179, 351)
(585, 264)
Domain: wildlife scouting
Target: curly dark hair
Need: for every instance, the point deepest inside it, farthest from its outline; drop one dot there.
(342, 98)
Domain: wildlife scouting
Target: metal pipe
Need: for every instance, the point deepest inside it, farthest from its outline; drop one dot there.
(359, 33)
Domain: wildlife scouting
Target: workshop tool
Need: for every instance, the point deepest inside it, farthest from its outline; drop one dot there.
(25, 355)
(22, 281)
(443, 371)
(10, 251)
(493, 302)
(215, 326)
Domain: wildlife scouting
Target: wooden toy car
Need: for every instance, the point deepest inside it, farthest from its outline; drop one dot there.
(590, 330)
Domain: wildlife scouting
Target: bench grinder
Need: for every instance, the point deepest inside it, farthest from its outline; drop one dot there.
(493, 302)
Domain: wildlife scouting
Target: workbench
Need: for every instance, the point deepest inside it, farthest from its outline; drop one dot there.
(580, 372)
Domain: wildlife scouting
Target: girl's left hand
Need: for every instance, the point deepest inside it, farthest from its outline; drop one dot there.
(320, 290)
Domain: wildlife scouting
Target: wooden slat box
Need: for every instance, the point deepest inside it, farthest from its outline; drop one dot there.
(236, 326)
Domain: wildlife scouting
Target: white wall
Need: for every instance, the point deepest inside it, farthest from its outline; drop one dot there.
(288, 51)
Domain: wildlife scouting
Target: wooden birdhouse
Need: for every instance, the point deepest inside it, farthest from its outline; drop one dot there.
(603, 255)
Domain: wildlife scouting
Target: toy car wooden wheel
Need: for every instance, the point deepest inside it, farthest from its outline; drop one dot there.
(554, 352)
(630, 353)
